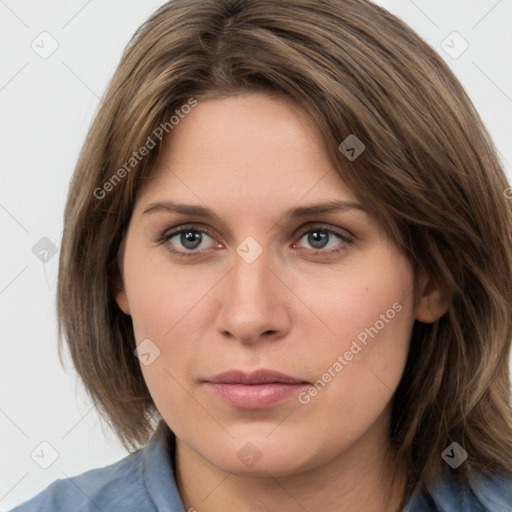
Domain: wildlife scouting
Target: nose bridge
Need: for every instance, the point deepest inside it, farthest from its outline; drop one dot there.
(251, 303)
(250, 282)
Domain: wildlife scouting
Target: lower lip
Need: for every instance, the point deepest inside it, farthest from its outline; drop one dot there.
(255, 396)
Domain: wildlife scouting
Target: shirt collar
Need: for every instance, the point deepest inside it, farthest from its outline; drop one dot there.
(158, 477)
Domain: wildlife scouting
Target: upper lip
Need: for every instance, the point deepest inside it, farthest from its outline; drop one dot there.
(262, 376)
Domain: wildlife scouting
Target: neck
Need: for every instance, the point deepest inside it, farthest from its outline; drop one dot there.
(359, 479)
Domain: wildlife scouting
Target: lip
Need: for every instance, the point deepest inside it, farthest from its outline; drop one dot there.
(256, 390)
(262, 376)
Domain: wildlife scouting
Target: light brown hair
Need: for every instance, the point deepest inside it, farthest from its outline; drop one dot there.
(430, 174)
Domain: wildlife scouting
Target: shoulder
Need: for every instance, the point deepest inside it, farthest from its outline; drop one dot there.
(141, 482)
(495, 492)
(487, 494)
(97, 489)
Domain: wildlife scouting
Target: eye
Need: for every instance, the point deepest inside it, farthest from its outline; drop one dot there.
(187, 240)
(325, 240)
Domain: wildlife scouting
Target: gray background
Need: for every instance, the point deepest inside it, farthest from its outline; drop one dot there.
(46, 105)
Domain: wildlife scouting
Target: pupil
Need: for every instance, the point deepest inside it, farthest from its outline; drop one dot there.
(317, 237)
(191, 239)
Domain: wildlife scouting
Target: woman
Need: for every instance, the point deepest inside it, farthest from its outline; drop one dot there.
(286, 270)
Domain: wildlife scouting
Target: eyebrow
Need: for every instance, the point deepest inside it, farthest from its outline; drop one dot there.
(293, 213)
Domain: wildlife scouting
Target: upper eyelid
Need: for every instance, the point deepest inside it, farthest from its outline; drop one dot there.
(305, 227)
(323, 227)
(169, 233)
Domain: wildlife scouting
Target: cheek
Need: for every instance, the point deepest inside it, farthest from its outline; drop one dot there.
(376, 293)
(367, 317)
(165, 306)
(160, 295)
(358, 368)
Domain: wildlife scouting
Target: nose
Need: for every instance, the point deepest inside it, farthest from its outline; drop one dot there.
(253, 302)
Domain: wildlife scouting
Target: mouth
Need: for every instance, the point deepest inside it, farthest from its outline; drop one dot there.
(260, 389)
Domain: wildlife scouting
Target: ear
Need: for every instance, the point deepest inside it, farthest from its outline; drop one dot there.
(119, 289)
(120, 295)
(432, 301)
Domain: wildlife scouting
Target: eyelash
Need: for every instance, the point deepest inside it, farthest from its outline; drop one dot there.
(166, 236)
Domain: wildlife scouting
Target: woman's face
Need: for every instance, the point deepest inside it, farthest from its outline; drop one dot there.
(266, 274)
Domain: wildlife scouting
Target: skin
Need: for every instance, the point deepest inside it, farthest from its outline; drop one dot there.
(250, 158)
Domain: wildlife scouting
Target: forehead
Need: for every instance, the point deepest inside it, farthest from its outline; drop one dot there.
(247, 148)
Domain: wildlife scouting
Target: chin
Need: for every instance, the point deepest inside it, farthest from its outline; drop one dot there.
(258, 457)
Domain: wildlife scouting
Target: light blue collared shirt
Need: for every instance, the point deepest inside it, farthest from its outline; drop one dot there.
(144, 482)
